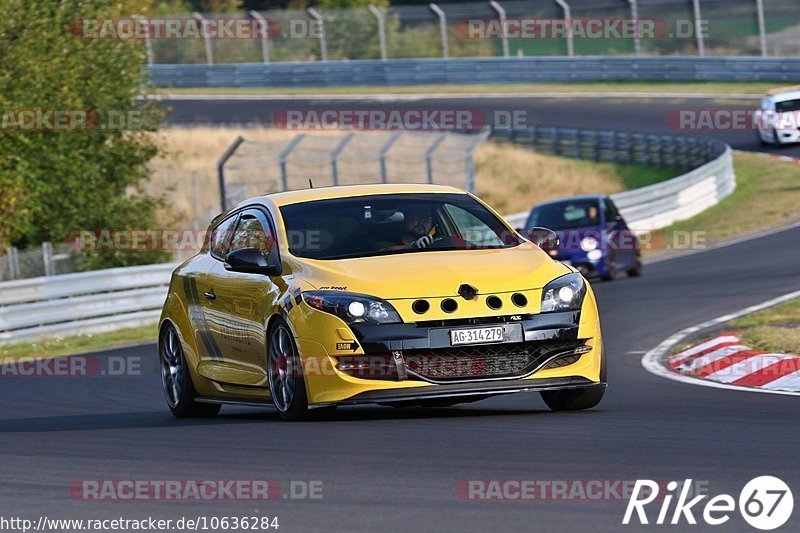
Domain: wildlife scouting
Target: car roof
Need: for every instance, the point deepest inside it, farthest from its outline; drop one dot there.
(783, 92)
(347, 191)
(598, 197)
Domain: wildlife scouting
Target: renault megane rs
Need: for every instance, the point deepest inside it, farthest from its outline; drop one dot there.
(385, 294)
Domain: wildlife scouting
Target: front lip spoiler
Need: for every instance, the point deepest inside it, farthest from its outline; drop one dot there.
(433, 392)
(466, 390)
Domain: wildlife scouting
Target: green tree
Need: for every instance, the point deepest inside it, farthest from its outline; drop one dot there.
(56, 181)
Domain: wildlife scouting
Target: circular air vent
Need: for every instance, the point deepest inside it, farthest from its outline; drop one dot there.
(449, 305)
(519, 299)
(420, 306)
(494, 302)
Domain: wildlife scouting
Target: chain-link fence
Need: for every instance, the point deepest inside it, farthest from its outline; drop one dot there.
(45, 260)
(481, 29)
(347, 158)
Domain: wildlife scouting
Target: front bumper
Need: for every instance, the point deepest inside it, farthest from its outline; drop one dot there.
(580, 260)
(416, 360)
(465, 392)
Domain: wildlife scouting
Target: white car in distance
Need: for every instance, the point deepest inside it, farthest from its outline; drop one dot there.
(778, 117)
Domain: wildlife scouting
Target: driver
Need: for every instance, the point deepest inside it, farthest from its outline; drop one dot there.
(417, 230)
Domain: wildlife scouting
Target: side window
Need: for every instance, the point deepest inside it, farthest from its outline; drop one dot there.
(221, 237)
(611, 211)
(251, 233)
(473, 230)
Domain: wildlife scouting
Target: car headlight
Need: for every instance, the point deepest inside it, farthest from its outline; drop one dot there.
(564, 294)
(353, 308)
(588, 244)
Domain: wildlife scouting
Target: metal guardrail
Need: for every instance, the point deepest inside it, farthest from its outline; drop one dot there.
(87, 302)
(655, 206)
(105, 300)
(487, 70)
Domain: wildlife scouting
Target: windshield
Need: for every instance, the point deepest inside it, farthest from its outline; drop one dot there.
(566, 215)
(365, 226)
(787, 106)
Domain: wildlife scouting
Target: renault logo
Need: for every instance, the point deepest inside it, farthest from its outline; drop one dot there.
(468, 292)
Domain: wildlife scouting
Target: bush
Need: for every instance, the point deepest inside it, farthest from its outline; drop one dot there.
(59, 180)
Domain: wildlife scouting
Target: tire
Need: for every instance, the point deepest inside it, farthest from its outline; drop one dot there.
(611, 272)
(286, 384)
(636, 271)
(578, 399)
(573, 399)
(176, 379)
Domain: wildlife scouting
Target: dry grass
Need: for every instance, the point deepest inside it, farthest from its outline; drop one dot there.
(774, 330)
(767, 195)
(510, 178)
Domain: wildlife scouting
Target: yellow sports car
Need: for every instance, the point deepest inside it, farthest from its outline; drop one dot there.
(384, 294)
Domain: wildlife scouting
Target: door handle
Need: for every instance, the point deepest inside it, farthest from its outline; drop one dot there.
(210, 295)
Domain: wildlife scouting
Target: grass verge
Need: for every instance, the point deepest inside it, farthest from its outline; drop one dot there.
(74, 344)
(767, 195)
(712, 88)
(776, 329)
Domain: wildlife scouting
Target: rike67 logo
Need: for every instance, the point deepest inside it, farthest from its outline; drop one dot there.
(765, 503)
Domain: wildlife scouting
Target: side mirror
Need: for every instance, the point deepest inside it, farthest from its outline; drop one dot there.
(250, 261)
(544, 238)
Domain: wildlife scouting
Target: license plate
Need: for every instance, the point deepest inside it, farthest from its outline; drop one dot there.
(476, 335)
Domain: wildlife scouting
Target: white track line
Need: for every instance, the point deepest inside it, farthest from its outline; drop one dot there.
(654, 361)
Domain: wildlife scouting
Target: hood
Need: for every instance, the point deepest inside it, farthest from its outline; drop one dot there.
(435, 274)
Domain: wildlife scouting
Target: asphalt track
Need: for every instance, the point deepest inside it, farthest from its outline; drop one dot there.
(383, 468)
(647, 115)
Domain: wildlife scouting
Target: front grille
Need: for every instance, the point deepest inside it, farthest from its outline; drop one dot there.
(459, 363)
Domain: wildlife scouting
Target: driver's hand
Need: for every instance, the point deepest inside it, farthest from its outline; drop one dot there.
(422, 242)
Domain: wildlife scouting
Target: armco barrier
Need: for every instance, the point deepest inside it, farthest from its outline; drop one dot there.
(488, 70)
(111, 299)
(87, 302)
(655, 206)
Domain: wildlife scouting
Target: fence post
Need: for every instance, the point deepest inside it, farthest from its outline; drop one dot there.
(470, 161)
(568, 19)
(13, 263)
(637, 41)
(442, 28)
(148, 45)
(335, 157)
(206, 38)
(385, 150)
(47, 258)
(762, 30)
(284, 155)
(381, 29)
(264, 24)
(196, 194)
(501, 15)
(323, 45)
(223, 199)
(698, 29)
(429, 155)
